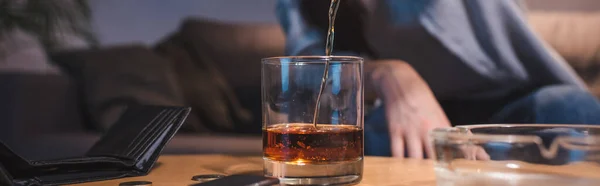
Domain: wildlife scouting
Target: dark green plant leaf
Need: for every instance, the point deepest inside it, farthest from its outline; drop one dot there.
(48, 19)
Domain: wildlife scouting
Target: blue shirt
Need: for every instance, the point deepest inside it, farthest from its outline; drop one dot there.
(462, 48)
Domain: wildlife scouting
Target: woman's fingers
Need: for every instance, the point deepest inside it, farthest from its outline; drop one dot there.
(425, 139)
(474, 152)
(481, 154)
(414, 143)
(397, 142)
(427, 144)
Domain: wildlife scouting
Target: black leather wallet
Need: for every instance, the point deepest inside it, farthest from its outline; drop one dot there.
(130, 148)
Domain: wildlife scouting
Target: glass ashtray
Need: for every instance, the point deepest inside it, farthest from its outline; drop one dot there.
(517, 155)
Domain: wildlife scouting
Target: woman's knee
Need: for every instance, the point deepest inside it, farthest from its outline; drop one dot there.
(561, 93)
(556, 104)
(566, 104)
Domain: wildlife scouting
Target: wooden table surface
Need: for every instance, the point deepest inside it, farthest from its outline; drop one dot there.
(178, 170)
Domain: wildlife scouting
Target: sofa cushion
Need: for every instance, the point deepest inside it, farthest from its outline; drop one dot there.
(235, 51)
(235, 48)
(204, 88)
(110, 79)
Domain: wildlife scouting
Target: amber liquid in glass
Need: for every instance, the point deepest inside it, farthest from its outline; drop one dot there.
(303, 143)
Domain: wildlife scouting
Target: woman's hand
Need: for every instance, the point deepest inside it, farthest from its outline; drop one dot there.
(411, 108)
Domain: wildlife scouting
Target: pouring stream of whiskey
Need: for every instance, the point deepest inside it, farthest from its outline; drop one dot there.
(333, 7)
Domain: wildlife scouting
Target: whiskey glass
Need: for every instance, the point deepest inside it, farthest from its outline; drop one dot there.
(294, 149)
(517, 155)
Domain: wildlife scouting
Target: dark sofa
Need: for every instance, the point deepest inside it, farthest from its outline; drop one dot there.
(41, 115)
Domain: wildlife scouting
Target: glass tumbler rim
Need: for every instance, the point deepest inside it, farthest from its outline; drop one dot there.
(312, 60)
(463, 133)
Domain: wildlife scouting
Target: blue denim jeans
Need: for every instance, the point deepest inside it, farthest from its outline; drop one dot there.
(557, 104)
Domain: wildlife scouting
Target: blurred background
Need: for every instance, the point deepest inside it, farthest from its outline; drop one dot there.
(60, 89)
(132, 21)
(151, 20)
